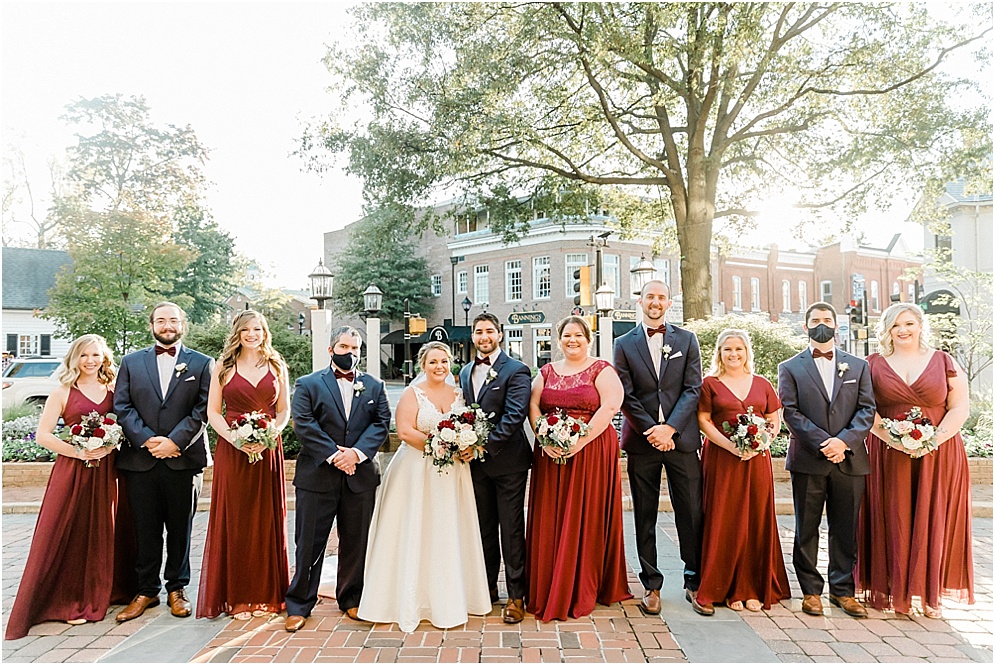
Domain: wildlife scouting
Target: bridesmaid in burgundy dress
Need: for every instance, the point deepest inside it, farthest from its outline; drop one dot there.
(82, 553)
(575, 551)
(245, 571)
(741, 556)
(915, 524)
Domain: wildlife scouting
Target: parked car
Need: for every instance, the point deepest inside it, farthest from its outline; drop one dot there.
(29, 380)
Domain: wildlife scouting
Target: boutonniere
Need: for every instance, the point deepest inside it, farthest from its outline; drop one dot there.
(842, 367)
(666, 351)
(358, 388)
(491, 375)
(180, 369)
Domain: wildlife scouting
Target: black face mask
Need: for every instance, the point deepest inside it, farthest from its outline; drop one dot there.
(821, 333)
(345, 361)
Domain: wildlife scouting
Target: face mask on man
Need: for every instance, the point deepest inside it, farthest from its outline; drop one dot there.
(345, 361)
(821, 333)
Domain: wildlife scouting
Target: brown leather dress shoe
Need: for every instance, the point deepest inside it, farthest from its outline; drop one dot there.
(651, 601)
(137, 607)
(179, 604)
(294, 623)
(849, 605)
(812, 604)
(705, 610)
(514, 611)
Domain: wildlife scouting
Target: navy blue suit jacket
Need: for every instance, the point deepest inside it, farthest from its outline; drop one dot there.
(320, 425)
(812, 416)
(181, 414)
(507, 398)
(677, 389)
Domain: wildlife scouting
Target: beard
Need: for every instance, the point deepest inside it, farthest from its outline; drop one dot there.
(168, 339)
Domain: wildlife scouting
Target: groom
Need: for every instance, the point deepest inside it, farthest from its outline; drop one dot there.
(829, 409)
(502, 387)
(341, 417)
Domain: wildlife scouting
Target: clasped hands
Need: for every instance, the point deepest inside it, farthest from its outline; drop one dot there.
(661, 437)
(92, 455)
(345, 460)
(834, 449)
(162, 447)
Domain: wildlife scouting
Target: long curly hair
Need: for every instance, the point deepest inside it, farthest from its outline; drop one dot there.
(69, 370)
(233, 346)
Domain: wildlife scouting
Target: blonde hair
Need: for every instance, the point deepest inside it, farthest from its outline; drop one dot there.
(433, 346)
(718, 368)
(580, 321)
(887, 321)
(68, 370)
(233, 346)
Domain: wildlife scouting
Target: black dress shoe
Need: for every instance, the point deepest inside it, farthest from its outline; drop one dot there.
(705, 610)
(494, 596)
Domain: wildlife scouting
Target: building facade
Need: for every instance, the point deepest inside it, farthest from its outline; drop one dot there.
(28, 274)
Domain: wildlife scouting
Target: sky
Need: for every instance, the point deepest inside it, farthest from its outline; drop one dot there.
(248, 78)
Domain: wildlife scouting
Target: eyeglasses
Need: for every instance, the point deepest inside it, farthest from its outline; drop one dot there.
(162, 322)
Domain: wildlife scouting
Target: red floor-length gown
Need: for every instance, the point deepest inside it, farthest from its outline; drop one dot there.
(740, 552)
(575, 551)
(245, 565)
(82, 553)
(914, 537)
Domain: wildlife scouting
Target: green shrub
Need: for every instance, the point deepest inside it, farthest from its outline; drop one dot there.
(772, 343)
(20, 410)
(19, 443)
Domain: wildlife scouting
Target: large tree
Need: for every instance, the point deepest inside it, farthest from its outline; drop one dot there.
(710, 107)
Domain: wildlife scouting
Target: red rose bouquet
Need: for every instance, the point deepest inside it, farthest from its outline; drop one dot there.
(255, 427)
(94, 431)
(558, 430)
(750, 432)
(912, 431)
(466, 427)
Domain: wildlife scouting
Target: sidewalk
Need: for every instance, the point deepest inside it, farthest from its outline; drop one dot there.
(617, 634)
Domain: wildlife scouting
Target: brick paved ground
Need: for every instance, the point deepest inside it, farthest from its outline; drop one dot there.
(616, 634)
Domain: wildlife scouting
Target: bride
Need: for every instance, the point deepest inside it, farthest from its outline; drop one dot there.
(425, 559)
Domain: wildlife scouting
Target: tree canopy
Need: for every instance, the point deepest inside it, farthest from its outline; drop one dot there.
(706, 107)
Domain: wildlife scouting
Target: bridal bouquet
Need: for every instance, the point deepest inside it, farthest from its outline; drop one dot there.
(750, 432)
(94, 431)
(254, 427)
(466, 427)
(558, 430)
(913, 431)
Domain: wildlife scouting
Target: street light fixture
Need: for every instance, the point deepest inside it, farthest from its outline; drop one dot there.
(372, 300)
(467, 304)
(300, 323)
(321, 284)
(641, 274)
(604, 297)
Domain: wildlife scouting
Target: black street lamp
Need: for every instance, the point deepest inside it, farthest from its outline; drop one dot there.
(321, 284)
(467, 304)
(300, 323)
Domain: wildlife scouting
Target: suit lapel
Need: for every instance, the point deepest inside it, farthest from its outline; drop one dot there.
(496, 368)
(356, 394)
(837, 380)
(152, 365)
(465, 383)
(182, 357)
(333, 387)
(643, 349)
(664, 362)
(809, 363)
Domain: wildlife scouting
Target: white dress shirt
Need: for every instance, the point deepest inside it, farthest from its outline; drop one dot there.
(167, 364)
(347, 392)
(827, 370)
(655, 343)
(478, 375)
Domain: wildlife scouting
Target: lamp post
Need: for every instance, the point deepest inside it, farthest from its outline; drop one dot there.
(454, 260)
(604, 298)
(372, 301)
(321, 319)
(467, 304)
(642, 273)
(301, 320)
(409, 366)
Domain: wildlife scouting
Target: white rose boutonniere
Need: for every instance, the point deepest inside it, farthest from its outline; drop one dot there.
(358, 388)
(666, 351)
(491, 375)
(180, 369)
(842, 367)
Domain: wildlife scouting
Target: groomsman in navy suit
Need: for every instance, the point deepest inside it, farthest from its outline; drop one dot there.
(829, 410)
(160, 400)
(660, 368)
(341, 417)
(502, 386)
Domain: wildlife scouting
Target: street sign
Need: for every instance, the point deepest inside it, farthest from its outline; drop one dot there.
(624, 315)
(517, 318)
(844, 327)
(438, 334)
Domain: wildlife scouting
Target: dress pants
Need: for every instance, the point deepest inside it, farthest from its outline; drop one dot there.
(314, 514)
(501, 505)
(684, 485)
(163, 498)
(841, 495)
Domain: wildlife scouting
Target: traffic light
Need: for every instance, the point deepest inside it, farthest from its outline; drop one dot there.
(582, 287)
(856, 310)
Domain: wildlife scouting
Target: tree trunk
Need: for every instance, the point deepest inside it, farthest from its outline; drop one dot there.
(694, 236)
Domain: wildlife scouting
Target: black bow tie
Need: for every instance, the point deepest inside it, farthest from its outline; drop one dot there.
(159, 350)
(486, 360)
(345, 375)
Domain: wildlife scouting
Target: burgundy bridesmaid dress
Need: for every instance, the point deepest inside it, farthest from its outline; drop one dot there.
(245, 565)
(914, 537)
(740, 552)
(575, 551)
(82, 556)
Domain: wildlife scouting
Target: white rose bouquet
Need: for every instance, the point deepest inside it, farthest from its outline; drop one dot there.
(750, 432)
(558, 430)
(94, 431)
(254, 427)
(466, 427)
(913, 431)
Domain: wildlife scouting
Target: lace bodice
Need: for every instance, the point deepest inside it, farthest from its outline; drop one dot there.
(428, 413)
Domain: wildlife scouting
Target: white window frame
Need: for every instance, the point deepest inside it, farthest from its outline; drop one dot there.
(661, 270)
(737, 293)
(514, 338)
(541, 334)
(512, 269)
(785, 295)
(802, 296)
(612, 272)
(482, 285)
(875, 296)
(462, 282)
(27, 345)
(437, 285)
(826, 291)
(574, 262)
(542, 275)
(755, 294)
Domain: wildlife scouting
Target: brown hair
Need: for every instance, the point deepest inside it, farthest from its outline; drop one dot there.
(233, 346)
(580, 321)
(819, 304)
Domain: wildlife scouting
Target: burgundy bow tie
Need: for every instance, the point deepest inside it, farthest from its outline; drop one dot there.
(486, 360)
(159, 350)
(828, 355)
(659, 330)
(345, 375)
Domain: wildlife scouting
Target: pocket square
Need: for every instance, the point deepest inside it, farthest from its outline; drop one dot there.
(192, 378)
(675, 355)
(370, 402)
(850, 381)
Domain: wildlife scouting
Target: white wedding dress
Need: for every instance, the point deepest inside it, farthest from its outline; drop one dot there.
(424, 559)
